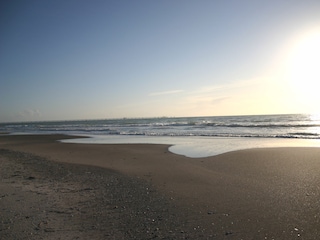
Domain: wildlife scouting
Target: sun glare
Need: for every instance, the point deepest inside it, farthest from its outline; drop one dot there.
(304, 70)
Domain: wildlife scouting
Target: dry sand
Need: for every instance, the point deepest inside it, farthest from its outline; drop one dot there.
(52, 190)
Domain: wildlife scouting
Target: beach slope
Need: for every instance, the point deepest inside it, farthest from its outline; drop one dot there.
(143, 191)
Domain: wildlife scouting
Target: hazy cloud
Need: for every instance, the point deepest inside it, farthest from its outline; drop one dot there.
(165, 92)
(228, 87)
(30, 114)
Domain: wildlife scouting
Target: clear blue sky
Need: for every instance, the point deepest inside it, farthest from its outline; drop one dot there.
(76, 59)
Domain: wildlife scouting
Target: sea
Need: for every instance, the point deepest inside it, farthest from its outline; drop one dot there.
(190, 136)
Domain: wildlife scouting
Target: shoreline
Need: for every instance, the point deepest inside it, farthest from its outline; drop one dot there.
(247, 194)
(198, 146)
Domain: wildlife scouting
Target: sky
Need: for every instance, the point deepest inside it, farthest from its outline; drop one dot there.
(76, 59)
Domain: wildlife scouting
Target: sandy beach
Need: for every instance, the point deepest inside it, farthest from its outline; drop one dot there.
(53, 190)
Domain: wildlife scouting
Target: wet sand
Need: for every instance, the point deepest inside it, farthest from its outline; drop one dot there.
(139, 191)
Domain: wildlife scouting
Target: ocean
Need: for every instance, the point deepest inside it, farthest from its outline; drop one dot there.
(210, 135)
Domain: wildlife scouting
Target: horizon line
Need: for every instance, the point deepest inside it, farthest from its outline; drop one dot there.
(123, 118)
